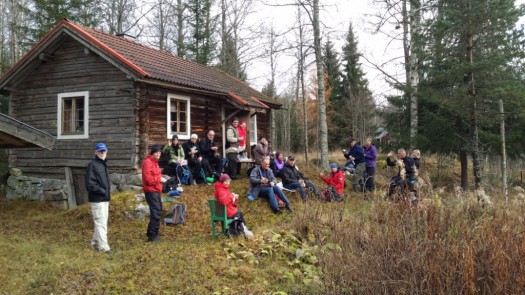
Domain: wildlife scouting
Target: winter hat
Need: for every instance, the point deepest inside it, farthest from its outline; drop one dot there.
(243, 121)
(154, 149)
(333, 165)
(174, 137)
(224, 177)
(194, 136)
(101, 147)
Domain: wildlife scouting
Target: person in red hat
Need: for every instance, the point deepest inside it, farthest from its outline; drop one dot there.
(229, 200)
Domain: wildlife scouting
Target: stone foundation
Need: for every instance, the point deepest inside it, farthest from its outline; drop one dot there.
(56, 191)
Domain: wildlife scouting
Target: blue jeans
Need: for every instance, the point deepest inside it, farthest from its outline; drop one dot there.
(297, 186)
(270, 192)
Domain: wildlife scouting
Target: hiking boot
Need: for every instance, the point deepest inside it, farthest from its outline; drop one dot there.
(154, 240)
(277, 211)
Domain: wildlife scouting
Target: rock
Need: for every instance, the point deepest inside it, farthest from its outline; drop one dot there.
(483, 197)
(140, 197)
(518, 189)
(56, 195)
(520, 196)
(130, 188)
(135, 179)
(13, 182)
(15, 172)
(51, 184)
(141, 211)
(115, 178)
(299, 253)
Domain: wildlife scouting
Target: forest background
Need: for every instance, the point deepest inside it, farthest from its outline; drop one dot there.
(446, 66)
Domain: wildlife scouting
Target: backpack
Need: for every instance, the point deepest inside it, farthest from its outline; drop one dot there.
(176, 214)
(331, 195)
(169, 185)
(183, 174)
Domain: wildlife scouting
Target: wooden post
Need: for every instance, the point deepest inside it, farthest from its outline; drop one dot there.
(71, 200)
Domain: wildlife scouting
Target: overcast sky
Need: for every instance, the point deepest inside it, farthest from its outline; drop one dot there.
(336, 15)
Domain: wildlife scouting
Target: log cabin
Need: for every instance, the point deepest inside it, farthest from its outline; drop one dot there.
(83, 86)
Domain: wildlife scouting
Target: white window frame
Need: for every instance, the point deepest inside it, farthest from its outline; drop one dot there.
(60, 100)
(254, 131)
(169, 134)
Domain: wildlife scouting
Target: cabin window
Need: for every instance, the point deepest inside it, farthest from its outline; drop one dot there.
(253, 130)
(72, 115)
(178, 116)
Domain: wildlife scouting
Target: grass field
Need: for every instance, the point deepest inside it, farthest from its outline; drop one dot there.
(359, 246)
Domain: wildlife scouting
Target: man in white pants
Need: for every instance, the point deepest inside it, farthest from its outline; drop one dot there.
(98, 186)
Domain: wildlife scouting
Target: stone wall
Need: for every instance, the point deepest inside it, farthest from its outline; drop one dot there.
(57, 191)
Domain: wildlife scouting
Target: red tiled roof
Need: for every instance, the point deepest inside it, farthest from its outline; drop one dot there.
(156, 65)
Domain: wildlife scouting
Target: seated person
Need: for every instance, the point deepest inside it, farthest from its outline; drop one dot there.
(416, 155)
(210, 152)
(336, 180)
(199, 167)
(405, 176)
(277, 164)
(295, 180)
(229, 200)
(262, 183)
(175, 155)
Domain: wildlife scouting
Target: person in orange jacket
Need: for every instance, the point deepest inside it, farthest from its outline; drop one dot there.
(336, 179)
(229, 200)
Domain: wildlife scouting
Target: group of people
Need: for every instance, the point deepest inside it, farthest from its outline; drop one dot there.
(202, 159)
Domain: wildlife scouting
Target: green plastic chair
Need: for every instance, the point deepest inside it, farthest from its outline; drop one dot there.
(218, 213)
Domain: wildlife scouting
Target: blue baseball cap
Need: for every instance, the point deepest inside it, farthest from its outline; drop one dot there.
(101, 147)
(333, 165)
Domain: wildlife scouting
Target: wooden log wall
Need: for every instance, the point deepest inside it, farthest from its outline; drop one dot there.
(111, 111)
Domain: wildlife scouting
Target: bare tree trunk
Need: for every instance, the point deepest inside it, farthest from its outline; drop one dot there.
(464, 169)
(473, 104)
(181, 50)
(503, 154)
(323, 128)
(413, 74)
(302, 86)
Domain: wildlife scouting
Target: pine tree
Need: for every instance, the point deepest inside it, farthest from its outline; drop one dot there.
(333, 87)
(473, 50)
(357, 107)
(200, 46)
(47, 13)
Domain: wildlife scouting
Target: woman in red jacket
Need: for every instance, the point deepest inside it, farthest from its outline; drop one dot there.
(152, 185)
(336, 180)
(229, 200)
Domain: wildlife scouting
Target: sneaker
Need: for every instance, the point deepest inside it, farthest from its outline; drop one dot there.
(248, 234)
(251, 198)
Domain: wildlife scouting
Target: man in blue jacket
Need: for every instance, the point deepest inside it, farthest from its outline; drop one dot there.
(98, 186)
(357, 155)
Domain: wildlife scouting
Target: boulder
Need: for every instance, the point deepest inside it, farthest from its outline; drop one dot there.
(55, 195)
(51, 184)
(15, 172)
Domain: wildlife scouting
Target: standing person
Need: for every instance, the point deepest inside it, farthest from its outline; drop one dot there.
(210, 152)
(357, 155)
(261, 151)
(242, 134)
(416, 155)
(263, 183)
(232, 144)
(295, 180)
(335, 181)
(98, 187)
(229, 200)
(152, 185)
(370, 164)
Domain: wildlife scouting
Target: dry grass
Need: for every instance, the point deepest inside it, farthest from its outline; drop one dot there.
(359, 246)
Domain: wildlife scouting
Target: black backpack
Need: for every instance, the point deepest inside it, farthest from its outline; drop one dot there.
(176, 215)
(235, 228)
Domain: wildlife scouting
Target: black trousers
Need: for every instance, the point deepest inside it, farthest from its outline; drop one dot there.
(369, 178)
(232, 164)
(155, 213)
